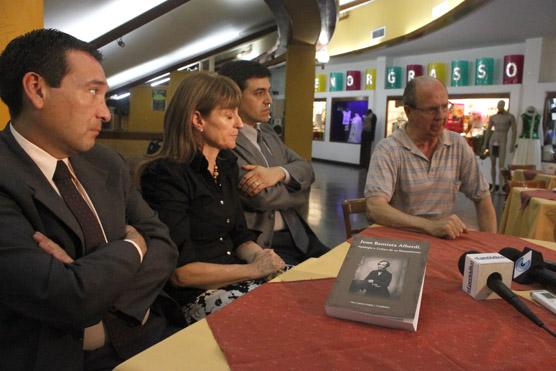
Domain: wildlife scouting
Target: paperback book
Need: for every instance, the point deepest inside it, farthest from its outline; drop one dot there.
(380, 282)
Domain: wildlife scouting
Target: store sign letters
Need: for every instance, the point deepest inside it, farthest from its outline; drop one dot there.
(459, 74)
(370, 79)
(393, 78)
(484, 71)
(413, 71)
(320, 83)
(353, 80)
(336, 81)
(513, 69)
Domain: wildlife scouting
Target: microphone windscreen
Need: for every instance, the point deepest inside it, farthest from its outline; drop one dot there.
(510, 253)
(461, 261)
(477, 268)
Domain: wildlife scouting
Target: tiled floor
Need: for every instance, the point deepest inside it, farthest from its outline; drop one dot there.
(335, 183)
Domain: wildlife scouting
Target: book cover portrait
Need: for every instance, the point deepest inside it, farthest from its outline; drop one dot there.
(379, 276)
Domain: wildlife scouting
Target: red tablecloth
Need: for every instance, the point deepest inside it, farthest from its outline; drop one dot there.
(540, 193)
(531, 174)
(283, 325)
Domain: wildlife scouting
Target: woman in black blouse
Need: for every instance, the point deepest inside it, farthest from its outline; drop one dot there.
(192, 183)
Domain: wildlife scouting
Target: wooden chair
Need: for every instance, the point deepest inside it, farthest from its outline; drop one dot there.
(353, 206)
(525, 184)
(507, 175)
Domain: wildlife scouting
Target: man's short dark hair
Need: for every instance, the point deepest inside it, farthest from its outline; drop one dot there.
(41, 51)
(241, 71)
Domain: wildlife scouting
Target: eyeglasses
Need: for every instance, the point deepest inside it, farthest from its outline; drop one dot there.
(435, 110)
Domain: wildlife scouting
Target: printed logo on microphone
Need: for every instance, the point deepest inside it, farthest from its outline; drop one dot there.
(522, 264)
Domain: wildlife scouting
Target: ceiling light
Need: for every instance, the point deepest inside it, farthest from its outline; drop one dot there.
(186, 52)
(120, 96)
(322, 55)
(323, 37)
(347, 5)
(160, 82)
(158, 77)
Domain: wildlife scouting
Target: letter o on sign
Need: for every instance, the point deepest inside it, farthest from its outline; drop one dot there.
(513, 69)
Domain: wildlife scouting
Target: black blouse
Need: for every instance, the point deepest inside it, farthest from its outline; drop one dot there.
(205, 217)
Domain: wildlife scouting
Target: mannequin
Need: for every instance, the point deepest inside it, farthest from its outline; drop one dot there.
(356, 128)
(346, 121)
(528, 150)
(501, 123)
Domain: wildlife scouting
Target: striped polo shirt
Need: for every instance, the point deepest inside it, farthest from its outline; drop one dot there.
(418, 186)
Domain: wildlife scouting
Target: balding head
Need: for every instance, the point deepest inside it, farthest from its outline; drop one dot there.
(426, 106)
(410, 94)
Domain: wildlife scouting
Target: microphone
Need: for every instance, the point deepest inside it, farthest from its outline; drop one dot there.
(529, 267)
(512, 254)
(488, 274)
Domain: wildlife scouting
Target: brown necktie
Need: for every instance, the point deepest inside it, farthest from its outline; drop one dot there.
(87, 220)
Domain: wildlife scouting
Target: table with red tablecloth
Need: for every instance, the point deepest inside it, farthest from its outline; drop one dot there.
(523, 174)
(529, 213)
(282, 324)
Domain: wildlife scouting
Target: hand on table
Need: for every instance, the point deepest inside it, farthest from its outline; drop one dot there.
(450, 227)
(267, 262)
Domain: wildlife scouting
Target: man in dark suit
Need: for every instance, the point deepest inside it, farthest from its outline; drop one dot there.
(377, 281)
(275, 181)
(83, 259)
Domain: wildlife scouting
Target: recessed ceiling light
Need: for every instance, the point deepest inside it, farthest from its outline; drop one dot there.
(158, 77)
(160, 82)
(188, 51)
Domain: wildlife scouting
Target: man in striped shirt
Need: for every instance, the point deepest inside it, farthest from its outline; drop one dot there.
(415, 174)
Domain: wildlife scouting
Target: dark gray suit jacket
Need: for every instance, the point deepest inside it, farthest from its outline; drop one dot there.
(44, 304)
(259, 210)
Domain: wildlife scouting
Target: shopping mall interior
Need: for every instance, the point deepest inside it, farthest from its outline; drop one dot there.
(324, 57)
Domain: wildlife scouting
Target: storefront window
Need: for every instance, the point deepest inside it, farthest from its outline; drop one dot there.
(319, 119)
(347, 119)
(395, 115)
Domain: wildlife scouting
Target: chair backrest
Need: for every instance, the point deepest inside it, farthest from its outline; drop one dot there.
(523, 167)
(526, 184)
(353, 206)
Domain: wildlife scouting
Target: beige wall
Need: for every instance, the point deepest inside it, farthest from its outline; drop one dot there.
(353, 31)
(141, 114)
(16, 18)
(142, 118)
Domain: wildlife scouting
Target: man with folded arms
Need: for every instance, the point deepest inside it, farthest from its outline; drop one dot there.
(83, 259)
(415, 174)
(275, 181)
